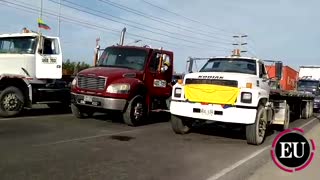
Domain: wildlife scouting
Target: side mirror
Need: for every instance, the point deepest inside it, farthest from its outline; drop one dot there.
(278, 70)
(190, 65)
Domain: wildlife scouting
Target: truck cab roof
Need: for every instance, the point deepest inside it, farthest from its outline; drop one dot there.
(235, 57)
(31, 34)
(137, 47)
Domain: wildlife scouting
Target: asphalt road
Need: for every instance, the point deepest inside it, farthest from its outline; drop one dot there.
(44, 145)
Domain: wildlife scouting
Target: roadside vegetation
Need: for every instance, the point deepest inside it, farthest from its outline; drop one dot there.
(72, 67)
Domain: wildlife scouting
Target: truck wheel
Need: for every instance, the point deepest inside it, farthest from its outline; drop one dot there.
(11, 102)
(136, 111)
(255, 133)
(77, 112)
(180, 125)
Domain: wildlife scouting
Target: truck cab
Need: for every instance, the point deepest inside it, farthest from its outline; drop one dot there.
(30, 72)
(310, 86)
(130, 80)
(309, 82)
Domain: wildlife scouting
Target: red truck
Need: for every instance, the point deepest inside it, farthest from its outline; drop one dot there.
(289, 77)
(131, 80)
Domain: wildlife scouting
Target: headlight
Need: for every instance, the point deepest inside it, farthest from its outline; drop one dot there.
(246, 97)
(74, 82)
(177, 92)
(159, 83)
(118, 88)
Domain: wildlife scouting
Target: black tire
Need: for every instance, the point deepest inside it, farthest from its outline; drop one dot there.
(136, 112)
(77, 112)
(180, 125)
(11, 102)
(253, 135)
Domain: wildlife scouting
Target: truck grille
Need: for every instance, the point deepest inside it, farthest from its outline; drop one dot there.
(94, 83)
(230, 83)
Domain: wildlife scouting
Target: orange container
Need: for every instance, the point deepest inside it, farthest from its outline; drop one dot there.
(289, 77)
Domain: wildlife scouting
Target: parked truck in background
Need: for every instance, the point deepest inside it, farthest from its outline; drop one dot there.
(235, 90)
(288, 79)
(309, 82)
(130, 80)
(31, 73)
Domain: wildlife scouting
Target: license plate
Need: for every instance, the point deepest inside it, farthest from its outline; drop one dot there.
(87, 98)
(209, 112)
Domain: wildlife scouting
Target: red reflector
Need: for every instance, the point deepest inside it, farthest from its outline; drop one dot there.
(204, 103)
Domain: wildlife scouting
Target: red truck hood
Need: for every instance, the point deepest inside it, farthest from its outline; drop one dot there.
(112, 73)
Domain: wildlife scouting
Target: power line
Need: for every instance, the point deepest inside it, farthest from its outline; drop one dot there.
(144, 25)
(89, 25)
(187, 18)
(164, 21)
(162, 34)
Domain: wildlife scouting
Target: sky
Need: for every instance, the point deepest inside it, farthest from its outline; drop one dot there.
(286, 30)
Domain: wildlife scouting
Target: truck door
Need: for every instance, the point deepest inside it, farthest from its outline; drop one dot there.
(49, 59)
(157, 81)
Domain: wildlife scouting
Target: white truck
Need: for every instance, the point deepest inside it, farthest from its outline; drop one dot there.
(31, 73)
(309, 82)
(235, 90)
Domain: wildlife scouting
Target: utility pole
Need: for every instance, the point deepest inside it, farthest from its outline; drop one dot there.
(59, 21)
(41, 5)
(239, 42)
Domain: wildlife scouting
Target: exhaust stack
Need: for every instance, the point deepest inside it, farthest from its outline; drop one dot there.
(122, 36)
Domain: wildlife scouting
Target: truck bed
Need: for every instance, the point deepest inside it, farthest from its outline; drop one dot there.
(276, 93)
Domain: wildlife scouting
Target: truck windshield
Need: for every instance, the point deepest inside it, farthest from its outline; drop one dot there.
(302, 84)
(246, 66)
(18, 45)
(124, 58)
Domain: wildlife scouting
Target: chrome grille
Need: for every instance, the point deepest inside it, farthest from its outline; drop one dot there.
(94, 83)
(221, 82)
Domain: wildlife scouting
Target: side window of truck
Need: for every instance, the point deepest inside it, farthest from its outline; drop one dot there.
(154, 62)
(51, 46)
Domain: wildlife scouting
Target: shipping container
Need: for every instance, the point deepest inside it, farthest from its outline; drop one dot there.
(289, 77)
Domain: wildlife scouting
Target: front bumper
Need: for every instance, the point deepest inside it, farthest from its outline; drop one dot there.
(99, 102)
(213, 112)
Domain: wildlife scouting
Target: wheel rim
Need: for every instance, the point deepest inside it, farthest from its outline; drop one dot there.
(138, 111)
(11, 102)
(262, 125)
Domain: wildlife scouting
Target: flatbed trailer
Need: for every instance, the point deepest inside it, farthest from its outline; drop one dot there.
(300, 104)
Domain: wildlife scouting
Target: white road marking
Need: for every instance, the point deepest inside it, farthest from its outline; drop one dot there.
(33, 117)
(246, 159)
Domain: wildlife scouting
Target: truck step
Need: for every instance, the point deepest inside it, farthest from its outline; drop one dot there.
(160, 110)
(48, 102)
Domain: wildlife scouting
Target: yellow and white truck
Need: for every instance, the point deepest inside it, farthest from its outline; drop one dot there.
(235, 89)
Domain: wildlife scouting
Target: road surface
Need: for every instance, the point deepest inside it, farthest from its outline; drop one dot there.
(42, 145)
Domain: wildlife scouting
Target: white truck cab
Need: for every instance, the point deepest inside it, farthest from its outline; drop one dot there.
(30, 72)
(226, 89)
(23, 54)
(231, 89)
